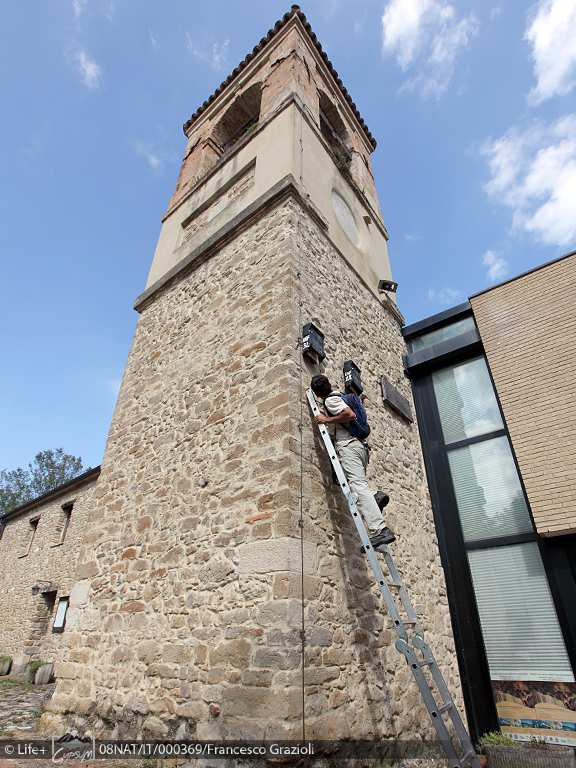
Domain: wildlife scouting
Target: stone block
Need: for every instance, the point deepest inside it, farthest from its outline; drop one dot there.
(318, 636)
(129, 554)
(148, 650)
(44, 674)
(269, 658)
(216, 570)
(155, 727)
(260, 702)
(79, 593)
(19, 663)
(320, 675)
(235, 652)
(290, 585)
(5, 665)
(133, 606)
(279, 613)
(192, 710)
(66, 670)
(258, 677)
(179, 654)
(283, 554)
(87, 570)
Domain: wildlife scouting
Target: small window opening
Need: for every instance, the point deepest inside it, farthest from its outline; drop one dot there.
(60, 618)
(31, 534)
(239, 119)
(64, 522)
(334, 130)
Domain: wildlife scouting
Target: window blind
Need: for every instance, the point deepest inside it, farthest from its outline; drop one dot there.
(466, 401)
(488, 492)
(520, 627)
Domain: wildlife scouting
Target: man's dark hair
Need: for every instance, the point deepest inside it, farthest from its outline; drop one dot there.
(321, 386)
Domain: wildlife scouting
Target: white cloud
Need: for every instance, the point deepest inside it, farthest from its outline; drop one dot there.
(150, 154)
(533, 172)
(89, 70)
(110, 10)
(216, 56)
(107, 7)
(79, 6)
(496, 266)
(412, 238)
(495, 12)
(445, 296)
(426, 37)
(552, 35)
(153, 39)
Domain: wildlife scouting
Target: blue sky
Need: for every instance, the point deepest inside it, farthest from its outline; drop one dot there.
(472, 103)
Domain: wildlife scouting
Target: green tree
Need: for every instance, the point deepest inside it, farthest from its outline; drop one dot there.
(47, 471)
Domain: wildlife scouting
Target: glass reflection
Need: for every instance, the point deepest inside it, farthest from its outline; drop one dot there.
(466, 401)
(488, 492)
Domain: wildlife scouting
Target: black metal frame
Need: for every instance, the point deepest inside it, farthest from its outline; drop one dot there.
(558, 554)
(470, 650)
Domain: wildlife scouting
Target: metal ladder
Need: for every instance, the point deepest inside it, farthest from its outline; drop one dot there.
(410, 642)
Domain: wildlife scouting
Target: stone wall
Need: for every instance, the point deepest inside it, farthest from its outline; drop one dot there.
(26, 619)
(359, 685)
(176, 614)
(188, 614)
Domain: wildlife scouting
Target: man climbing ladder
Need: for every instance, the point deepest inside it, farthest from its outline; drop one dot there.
(410, 637)
(347, 414)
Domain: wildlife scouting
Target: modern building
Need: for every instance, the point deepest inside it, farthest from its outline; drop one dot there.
(494, 382)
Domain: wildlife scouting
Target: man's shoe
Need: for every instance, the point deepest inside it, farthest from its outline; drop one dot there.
(383, 537)
(381, 499)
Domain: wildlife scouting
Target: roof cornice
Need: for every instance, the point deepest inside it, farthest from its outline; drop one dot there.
(294, 12)
(89, 476)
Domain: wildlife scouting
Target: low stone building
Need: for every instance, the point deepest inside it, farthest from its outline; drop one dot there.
(39, 549)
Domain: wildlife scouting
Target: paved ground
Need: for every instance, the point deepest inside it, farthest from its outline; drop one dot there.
(20, 706)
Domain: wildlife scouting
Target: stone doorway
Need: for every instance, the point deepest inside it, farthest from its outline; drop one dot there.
(43, 610)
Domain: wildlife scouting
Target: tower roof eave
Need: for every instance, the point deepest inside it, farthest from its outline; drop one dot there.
(294, 11)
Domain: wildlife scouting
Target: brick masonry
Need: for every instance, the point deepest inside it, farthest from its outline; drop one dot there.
(190, 601)
(528, 328)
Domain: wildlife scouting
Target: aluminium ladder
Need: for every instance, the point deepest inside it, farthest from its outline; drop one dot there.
(410, 642)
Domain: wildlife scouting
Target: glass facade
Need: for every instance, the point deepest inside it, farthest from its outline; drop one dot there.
(488, 492)
(465, 401)
(519, 624)
(442, 334)
(499, 578)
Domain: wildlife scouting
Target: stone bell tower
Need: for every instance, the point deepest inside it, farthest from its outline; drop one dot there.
(221, 592)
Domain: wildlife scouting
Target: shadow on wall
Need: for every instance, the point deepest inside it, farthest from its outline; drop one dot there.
(366, 614)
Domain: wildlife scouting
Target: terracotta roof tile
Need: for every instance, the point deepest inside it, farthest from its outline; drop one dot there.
(294, 11)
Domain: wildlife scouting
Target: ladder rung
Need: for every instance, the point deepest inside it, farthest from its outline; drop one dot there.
(407, 647)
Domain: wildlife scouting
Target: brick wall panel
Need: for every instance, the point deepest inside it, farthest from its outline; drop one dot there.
(528, 327)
